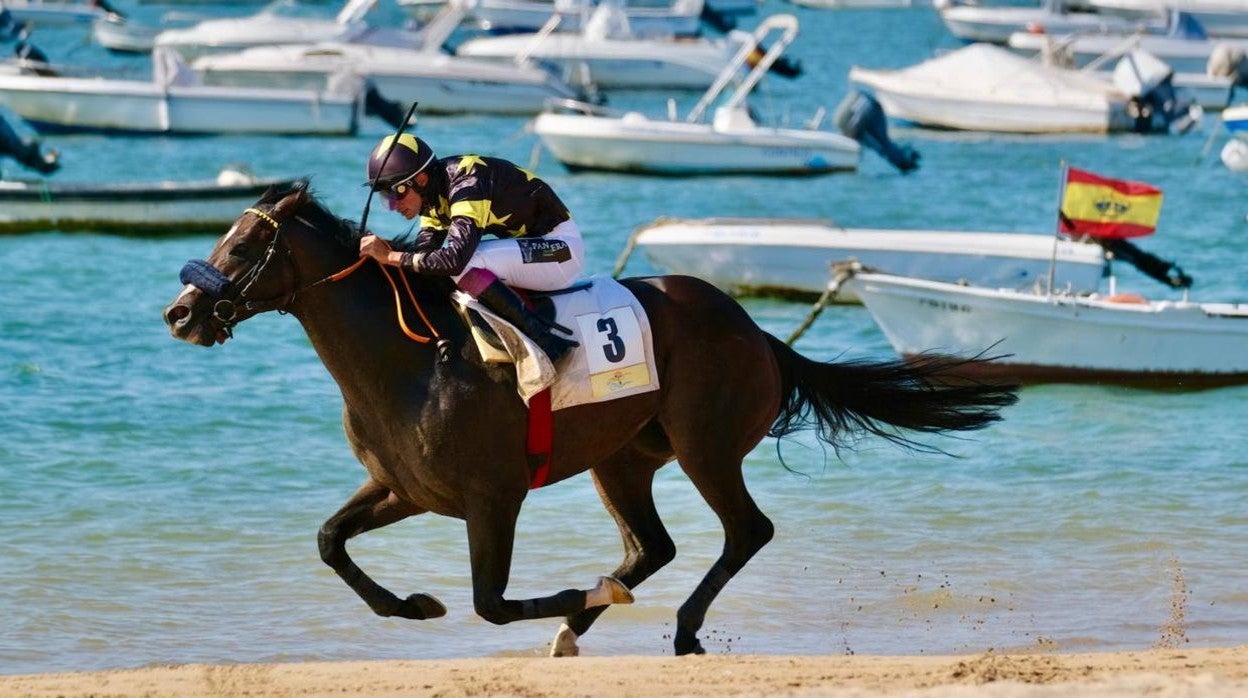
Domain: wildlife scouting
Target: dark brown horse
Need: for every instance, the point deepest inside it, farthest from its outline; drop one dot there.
(449, 436)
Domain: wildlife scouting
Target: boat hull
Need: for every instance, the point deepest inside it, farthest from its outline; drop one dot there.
(610, 63)
(73, 104)
(1061, 338)
(994, 25)
(909, 103)
(791, 257)
(636, 144)
(133, 209)
(442, 84)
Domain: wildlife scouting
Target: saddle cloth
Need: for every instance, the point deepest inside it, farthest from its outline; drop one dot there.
(616, 354)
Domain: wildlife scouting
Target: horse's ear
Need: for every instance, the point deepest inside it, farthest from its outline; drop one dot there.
(292, 201)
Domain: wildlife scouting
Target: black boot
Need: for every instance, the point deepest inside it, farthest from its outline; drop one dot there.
(506, 304)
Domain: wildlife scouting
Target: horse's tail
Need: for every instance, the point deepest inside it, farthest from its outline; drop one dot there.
(847, 400)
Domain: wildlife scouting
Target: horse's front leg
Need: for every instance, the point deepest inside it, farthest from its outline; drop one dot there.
(491, 537)
(372, 506)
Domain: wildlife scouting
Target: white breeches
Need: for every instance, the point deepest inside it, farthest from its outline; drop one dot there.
(530, 263)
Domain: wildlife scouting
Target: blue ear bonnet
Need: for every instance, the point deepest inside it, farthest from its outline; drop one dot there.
(206, 278)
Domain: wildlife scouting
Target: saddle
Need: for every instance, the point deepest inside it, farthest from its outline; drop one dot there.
(488, 342)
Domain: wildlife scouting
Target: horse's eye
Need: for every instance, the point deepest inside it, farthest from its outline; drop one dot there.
(240, 251)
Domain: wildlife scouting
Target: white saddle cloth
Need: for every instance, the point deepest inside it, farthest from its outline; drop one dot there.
(616, 354)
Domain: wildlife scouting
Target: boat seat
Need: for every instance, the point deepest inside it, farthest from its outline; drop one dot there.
(1133, 298)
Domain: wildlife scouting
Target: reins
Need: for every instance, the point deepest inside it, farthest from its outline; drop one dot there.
(351, 269)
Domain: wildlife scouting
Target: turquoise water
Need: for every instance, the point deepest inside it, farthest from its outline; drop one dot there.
(159, 502)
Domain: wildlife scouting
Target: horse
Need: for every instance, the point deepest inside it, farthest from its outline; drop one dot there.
(439, 430)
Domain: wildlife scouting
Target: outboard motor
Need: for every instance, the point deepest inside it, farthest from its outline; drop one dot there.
(9, 26)
(1155, 106)
(1167, 272)
(26, 152)
(1227, 61)
(861, 118)
(376, 105)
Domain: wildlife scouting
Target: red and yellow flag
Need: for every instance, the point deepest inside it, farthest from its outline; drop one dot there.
(1108, 208)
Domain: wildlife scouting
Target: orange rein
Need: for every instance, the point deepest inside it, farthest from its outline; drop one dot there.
(398, 302)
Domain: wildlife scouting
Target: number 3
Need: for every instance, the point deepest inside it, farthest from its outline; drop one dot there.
(615, 350)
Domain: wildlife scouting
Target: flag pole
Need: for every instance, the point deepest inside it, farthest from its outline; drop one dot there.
(1061, 191)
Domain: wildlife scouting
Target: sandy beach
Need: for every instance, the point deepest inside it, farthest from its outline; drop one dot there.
(1157, 672)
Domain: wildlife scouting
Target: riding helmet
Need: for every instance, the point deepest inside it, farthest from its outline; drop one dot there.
(408, 156)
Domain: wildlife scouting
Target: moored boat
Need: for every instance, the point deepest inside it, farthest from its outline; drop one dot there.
(1038, 337)
(131, 208)
(790, 257)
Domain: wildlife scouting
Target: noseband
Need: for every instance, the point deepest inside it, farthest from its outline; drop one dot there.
(230, 296)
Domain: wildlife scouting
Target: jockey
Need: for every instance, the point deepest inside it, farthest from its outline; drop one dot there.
(462, 199)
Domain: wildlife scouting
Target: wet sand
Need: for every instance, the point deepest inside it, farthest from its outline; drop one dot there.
(1157, 672)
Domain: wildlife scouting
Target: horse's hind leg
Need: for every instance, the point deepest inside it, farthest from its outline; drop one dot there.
(371, 507)
(746, 531)
(625, 483)
(491, 538)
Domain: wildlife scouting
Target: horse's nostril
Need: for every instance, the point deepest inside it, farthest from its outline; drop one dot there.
(176, 313)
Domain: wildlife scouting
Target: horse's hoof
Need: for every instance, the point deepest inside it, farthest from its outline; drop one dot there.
(420, 607)
(619, 593)
(565, 643)
(688, 644)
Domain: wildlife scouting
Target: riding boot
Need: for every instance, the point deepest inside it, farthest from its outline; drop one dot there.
(506, 304)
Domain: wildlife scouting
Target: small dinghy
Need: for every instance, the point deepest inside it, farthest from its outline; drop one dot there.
(131, 208)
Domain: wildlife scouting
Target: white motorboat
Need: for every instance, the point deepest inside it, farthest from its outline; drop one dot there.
(131, 208)
(173, 101)
(1185, 48)
(442, 83)
(983, 87)
(731, 142)
(124, 35)
(1221, 18)
(791, 257)
(1039, 337)
(607, 53)
(54, 13)
(647, 18)
(282, 22)
(994, 24)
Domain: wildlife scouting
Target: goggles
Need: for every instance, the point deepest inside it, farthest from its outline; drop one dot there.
(399, 188)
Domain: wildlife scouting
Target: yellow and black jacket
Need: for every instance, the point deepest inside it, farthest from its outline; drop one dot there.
(481, 196)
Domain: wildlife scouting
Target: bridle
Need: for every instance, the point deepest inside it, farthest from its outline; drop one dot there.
(229, 295)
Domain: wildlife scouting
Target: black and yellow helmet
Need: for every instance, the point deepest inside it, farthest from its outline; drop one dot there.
(409, 156)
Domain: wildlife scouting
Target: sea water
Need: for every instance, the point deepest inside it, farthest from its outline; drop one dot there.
(159, 502)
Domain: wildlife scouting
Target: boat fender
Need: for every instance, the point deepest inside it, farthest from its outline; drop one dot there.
(861, 118)
(1235, 155)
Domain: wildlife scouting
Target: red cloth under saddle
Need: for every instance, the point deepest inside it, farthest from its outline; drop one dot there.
(540, 438)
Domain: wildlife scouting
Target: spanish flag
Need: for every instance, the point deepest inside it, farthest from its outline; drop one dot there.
(1108, 208)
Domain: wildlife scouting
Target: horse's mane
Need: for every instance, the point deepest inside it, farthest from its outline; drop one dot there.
(346, 231)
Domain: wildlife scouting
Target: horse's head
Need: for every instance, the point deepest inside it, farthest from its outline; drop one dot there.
(251, 270)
